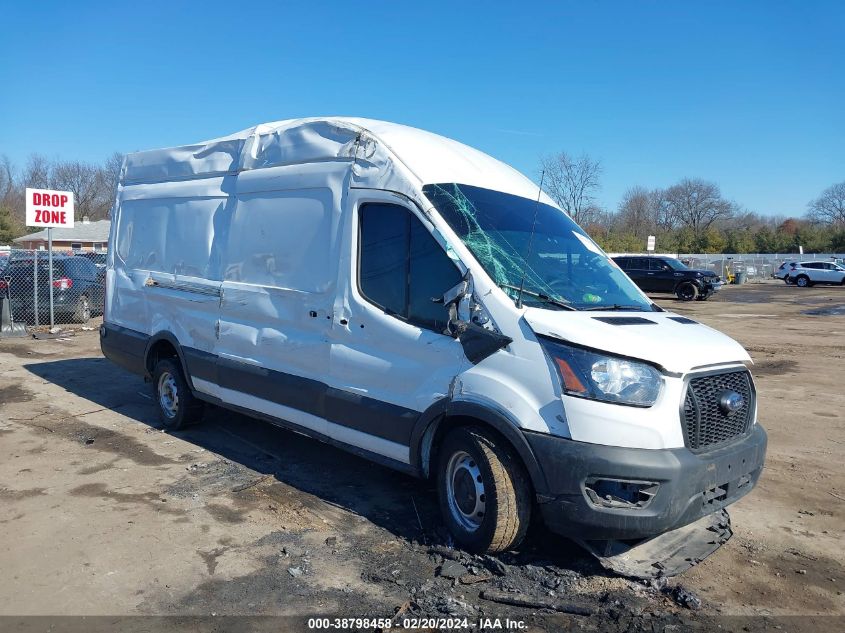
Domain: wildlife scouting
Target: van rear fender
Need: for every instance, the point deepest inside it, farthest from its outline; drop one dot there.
(165, 345)
(445, 415)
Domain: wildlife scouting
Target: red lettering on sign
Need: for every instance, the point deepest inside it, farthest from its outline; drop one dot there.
(63, 216)
(64, 200)
(55, 200)
(36, 198)
(37, 214)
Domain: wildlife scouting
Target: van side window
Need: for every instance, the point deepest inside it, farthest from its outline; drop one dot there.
(401, 266)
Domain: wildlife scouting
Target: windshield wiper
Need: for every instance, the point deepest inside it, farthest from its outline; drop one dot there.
(540, 296)
(614, 307)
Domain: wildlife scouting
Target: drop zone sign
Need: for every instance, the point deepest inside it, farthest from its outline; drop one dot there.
(49, 209)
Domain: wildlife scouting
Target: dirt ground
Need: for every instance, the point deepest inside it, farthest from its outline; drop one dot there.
(104, 514)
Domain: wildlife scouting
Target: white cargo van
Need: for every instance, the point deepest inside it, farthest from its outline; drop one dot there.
(415, 301)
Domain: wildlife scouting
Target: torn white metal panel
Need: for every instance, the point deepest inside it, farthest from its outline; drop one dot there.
(385, 156)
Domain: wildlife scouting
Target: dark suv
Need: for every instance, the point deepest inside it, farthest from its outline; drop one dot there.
(667, 274)
(77, 288)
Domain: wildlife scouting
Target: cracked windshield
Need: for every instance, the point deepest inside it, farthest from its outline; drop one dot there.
(562, 266)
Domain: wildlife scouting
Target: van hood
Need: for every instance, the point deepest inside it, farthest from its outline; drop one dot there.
(676, 343)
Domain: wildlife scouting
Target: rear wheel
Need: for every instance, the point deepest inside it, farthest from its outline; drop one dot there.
(687, 292)
(483, 490)
(177, 406)
(802, 281)
(82, 312)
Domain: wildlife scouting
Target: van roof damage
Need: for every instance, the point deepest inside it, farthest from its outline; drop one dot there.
(386, 156)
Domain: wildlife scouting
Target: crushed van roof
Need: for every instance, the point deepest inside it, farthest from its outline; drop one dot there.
(387, 150)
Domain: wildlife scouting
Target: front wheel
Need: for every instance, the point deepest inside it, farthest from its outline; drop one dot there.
(687, 292)
(177, 406)
(483, 490)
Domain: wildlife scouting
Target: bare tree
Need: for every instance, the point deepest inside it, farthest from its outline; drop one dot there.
(107, 177)
(38, 172)
(572, 183)
(829, 207)
(84, 181)
(696, 204)
(637, 211)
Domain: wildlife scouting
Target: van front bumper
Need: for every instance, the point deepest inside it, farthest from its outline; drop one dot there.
(671, 487)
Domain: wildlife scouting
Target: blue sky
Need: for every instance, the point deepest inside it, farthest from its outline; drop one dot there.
(750, 95)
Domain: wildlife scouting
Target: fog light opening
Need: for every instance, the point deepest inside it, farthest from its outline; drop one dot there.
(619, 493)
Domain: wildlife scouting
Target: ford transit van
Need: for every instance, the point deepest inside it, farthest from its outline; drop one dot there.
(417, 302)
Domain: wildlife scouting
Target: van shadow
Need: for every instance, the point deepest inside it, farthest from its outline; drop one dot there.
(401, 504)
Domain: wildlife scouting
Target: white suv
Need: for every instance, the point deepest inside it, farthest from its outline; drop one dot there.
(808, 273)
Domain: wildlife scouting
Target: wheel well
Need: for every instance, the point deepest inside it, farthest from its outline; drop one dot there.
(433, 439)
(160, 350)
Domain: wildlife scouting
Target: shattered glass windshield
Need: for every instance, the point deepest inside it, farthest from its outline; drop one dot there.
(564, 266)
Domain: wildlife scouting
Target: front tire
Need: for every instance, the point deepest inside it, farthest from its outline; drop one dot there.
(687, 292)
(483, 490)
(176, 404)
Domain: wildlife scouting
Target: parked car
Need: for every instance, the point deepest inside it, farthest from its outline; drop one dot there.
(78, 288)
(412, 300)
(670, 275)
(98, 258)
(806, 274)
(782, 271)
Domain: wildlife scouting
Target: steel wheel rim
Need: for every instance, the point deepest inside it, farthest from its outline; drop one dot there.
(168, 395)
(465, 491)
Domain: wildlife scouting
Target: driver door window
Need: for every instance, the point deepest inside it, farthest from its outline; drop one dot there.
(402, 267)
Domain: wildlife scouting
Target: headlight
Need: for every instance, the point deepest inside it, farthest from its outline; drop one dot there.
(601, 377)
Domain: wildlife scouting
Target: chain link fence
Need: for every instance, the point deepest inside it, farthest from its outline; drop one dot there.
(30, 297)
(755, 266)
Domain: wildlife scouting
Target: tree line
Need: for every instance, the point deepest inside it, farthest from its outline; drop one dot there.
(691, 216)
(93, 187)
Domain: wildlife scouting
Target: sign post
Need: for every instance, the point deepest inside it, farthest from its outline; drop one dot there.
(46, 208)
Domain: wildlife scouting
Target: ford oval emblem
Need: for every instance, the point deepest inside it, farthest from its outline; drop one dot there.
(731, 401)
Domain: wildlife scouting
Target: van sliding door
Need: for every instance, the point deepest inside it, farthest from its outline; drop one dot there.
(276, 297)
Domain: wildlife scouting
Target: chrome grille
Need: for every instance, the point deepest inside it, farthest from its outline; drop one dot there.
(706, 424)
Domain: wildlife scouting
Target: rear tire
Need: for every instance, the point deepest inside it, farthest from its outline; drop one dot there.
(82, 312)
(483, 490)
(687, 292)
(176, 404)
(802, 281)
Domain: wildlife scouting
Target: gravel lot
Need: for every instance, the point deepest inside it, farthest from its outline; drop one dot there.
(102, 513)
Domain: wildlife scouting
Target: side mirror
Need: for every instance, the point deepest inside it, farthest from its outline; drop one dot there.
(477, 342)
